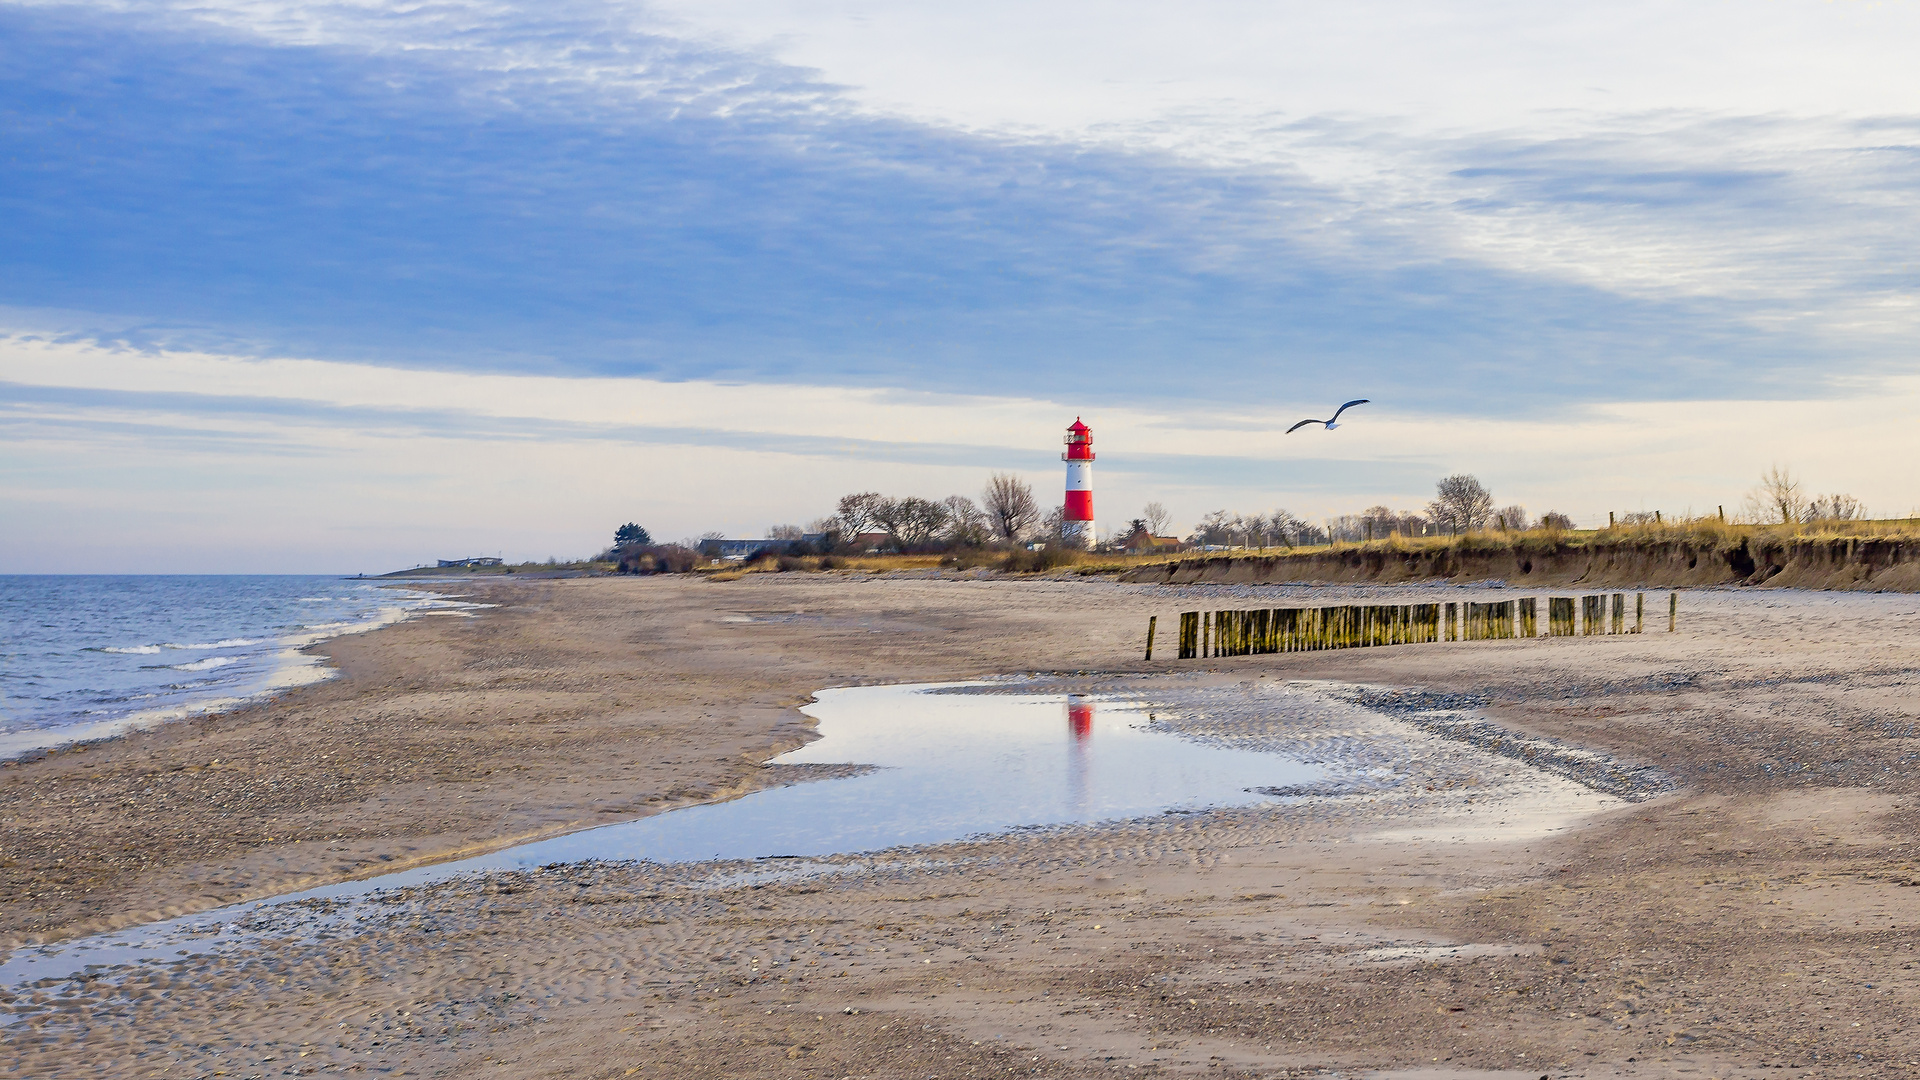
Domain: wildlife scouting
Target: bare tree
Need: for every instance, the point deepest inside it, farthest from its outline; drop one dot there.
(1511, 518)
(1555, 521)
(856, 512)
(910, 522)
(1378, 522)
(1835, 508)
(1010, 510)
(1214, 530)
(1156, 518)
(1286, 528)
(785, 532)
(1462, 504)
(1776, 499)
(1054, 526)
(966, 525)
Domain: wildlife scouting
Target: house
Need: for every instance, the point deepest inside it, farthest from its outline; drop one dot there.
(477, 560)
(1142, 542)
(737, 549)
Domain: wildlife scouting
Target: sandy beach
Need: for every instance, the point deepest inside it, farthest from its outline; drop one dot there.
(1753, 917)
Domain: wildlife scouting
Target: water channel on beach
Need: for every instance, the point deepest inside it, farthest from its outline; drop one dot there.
(942, 763)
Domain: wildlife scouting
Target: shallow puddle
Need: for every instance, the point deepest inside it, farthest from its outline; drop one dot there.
(947, 765)
(944, 762)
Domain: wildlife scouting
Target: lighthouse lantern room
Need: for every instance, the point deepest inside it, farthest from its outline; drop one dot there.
(1076, 522)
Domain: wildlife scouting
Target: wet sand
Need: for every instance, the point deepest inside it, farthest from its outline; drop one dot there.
(1759, 917)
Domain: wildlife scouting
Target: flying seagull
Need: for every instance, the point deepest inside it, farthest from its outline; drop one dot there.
(1331, 424)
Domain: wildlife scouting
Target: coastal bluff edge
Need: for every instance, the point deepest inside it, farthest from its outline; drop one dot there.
(1840, 562)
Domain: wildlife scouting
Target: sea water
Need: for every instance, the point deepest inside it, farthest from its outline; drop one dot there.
(91, 656)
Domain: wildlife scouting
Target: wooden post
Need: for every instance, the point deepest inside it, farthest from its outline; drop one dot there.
(1609, 519)
(1529, 617)
(1639, 611)
(1673, 612)
(1723, 515)
(1450, 636)
(1206, 633)
(1619, 613)
(1152, 621)
(1560, 616)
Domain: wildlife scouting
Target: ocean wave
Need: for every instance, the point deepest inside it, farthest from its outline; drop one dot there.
(192, 646)
(207, 664)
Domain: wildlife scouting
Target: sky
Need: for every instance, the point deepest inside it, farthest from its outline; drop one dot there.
(350, 286)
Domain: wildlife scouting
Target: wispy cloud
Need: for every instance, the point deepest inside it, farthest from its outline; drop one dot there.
(426, 188)
(577, 239)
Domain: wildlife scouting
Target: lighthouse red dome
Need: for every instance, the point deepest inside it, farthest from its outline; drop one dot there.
(1079, 442)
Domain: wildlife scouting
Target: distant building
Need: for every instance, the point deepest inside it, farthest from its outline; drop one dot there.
(477, 560)
(1142, 542)
(746, 549)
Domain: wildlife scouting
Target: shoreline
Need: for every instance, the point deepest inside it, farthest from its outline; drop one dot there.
(1176, 944)
(296, 664)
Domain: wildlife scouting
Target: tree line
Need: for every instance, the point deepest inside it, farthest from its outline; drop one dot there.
(1461, 504)
(1006, 515)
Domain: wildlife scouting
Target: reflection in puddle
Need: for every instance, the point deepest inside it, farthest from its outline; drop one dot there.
(949, 764)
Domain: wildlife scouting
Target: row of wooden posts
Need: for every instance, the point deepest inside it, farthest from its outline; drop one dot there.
(1352, 626)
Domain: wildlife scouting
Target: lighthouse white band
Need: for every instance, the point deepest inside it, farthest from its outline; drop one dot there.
(1079, 476)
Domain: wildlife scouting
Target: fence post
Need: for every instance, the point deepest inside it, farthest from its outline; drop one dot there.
(1619, 613)
(1152, 621)
(1673, 611)
(1639, 611)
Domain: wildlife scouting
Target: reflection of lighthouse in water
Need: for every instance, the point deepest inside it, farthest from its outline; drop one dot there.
(1079, 750)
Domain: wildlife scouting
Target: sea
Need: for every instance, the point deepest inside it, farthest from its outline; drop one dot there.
(91, 656)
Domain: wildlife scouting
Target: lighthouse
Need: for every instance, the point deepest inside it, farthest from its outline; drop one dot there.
(1076, 522)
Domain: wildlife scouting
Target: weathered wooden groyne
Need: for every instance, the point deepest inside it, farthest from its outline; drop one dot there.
(1825, 562)
(1234, 632)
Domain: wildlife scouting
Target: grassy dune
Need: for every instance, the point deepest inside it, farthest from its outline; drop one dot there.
(1851, 555)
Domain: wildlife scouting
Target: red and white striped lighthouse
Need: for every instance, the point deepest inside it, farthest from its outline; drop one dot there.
(1076, 523)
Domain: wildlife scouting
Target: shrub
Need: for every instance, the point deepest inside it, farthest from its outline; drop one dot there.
(1036, 562)
(970, 558)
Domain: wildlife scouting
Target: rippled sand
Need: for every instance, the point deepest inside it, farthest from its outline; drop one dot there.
(1524, 916)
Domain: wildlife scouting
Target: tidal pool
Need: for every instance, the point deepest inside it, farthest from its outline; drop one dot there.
(936, 763)
(944, 762)
(947, 762)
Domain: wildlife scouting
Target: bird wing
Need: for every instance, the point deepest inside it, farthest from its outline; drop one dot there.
(1348, 405)
(1302, 424)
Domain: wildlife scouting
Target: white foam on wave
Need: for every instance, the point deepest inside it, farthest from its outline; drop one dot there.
(291, 668)
(195, 646)
(207, 664)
